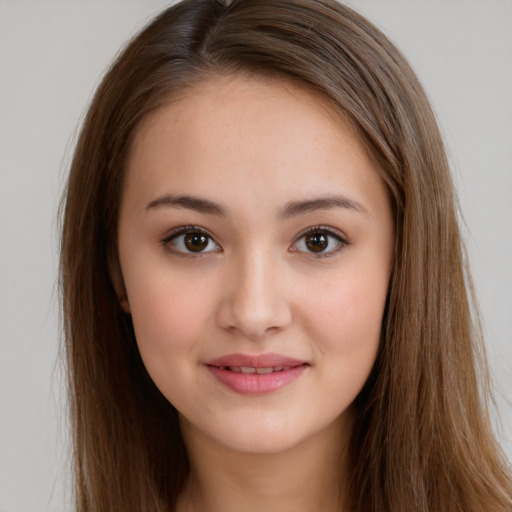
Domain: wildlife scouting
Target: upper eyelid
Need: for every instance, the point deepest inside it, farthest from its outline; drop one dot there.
(326, 229)
(182, 230)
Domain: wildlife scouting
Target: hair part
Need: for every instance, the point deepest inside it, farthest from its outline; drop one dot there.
(422, 438)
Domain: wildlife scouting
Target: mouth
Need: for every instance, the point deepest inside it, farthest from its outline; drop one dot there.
(266, 361)
(256, 374)
(248, 370)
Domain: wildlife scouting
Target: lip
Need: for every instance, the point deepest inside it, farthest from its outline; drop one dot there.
(285, 371)
(255, 360)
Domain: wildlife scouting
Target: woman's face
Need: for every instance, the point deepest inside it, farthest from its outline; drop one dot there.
(255, 243)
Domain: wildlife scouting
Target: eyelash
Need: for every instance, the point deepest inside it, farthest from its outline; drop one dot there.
(329, 232)
(183, 231)
(197, 230)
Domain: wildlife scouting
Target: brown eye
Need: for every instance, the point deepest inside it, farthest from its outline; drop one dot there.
(316, 242)
(320, 241)
(190, 240)
(196, 242)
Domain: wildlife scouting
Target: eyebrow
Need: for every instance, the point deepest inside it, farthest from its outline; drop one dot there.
(197, 204)
(291, 209)
(321, 203)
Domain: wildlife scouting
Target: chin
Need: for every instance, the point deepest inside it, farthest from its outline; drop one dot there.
(261, 444)
(258, 435)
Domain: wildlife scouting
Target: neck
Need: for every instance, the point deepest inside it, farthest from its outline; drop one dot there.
(310, 476)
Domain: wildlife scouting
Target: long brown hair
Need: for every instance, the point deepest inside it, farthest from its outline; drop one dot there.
(422, 439)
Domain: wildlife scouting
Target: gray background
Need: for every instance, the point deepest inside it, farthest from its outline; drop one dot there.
(52, 55)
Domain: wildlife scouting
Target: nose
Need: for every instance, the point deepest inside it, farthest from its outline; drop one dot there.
(255, 303)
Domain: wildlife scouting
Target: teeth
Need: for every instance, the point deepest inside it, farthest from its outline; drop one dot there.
(259, 371)
(263, 371)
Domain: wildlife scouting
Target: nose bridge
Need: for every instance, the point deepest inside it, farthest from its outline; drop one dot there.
(256, 303)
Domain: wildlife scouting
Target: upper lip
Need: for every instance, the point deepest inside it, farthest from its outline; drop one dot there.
(265, 360)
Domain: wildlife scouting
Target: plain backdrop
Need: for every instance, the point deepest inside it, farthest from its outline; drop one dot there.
(52, 55)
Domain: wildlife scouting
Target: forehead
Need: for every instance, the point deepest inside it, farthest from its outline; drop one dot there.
(222, 90)
(247, 134)
(223, 101)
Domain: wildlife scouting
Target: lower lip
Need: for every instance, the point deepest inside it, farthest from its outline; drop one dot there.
(254, 383)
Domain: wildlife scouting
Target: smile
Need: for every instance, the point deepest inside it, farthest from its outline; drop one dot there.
(259, 371)
(256, 374)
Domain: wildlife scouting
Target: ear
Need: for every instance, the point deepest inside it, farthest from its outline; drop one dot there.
(116, 277)
(125, 305)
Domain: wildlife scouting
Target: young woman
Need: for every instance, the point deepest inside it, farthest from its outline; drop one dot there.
(264, 292)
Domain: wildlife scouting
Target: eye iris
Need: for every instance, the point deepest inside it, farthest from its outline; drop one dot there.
(196, 242)
(317, 242)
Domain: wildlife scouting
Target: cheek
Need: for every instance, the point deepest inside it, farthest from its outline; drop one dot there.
(169, 322)
(347, 330)
(346, 319)
(168, 318)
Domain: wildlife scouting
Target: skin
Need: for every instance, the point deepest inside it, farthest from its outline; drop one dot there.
(253, 147)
